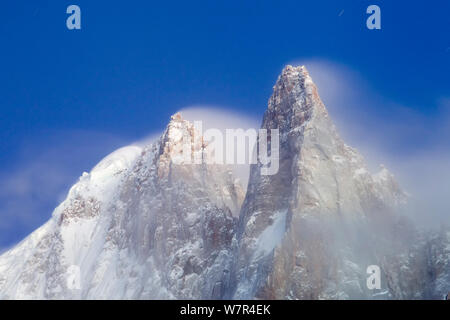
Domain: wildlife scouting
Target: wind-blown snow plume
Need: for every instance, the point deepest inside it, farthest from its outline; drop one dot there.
(143, 225)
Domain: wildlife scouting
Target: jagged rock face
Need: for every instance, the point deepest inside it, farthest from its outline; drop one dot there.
(186, 225)
(149, 223)
(292, 222)
(138, 226)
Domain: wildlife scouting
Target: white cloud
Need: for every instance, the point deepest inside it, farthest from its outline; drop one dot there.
(412, 144)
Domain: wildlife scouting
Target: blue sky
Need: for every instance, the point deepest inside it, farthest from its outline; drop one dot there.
(68, 98)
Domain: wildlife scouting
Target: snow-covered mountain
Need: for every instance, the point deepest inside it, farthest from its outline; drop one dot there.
(144, 224)
(311, 231)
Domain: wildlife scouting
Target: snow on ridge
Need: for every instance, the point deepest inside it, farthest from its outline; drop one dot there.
(272, 235)
(119, 159)
(140, 228)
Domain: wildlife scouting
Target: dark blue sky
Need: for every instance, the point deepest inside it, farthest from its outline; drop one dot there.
(134, 63)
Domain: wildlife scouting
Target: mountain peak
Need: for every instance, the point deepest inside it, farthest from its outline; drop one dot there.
(294, 100)
(155, 223)
(290, 70)
(181, 141)
(295, 80)
(178, 128)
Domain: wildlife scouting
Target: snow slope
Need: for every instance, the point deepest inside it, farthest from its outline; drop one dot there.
(145, 223)
(340, 218)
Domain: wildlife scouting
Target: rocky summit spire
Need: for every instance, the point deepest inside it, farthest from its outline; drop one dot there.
(320, 178)
(139, 226)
